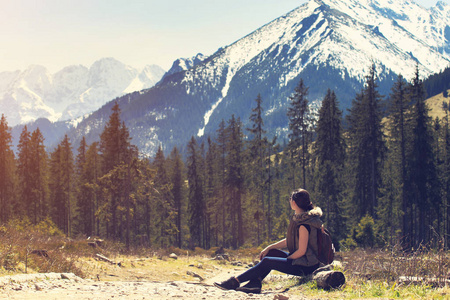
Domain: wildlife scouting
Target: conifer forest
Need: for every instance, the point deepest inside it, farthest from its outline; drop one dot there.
(380, 172)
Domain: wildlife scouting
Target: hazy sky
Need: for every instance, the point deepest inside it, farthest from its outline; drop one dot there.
(58, 33)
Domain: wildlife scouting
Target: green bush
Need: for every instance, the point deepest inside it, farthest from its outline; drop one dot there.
(362, 235)
(47, 227)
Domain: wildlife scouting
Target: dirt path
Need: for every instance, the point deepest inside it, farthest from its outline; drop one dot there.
(68, 286)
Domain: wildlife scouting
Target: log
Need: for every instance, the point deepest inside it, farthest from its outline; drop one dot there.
(104, 258)
(40, 252)
(94, 242)
(329, 279)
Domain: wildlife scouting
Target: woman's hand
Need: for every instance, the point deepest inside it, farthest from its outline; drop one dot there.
(263, 253)
(277, 245)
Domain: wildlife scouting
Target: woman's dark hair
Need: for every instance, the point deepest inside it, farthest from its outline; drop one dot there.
(301, 198)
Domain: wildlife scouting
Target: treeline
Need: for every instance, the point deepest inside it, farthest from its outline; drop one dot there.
(384, 179)
(438, 83)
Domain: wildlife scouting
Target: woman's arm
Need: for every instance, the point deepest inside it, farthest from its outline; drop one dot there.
(303, 236)
(278, 245)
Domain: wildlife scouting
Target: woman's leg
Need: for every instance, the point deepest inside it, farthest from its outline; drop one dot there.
(269, 263)
(277, 253)
(271, 253)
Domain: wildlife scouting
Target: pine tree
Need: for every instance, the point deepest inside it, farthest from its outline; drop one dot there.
(270, 165)
(177, 190)
(85, 209)
(212, 192)
(145, 207)
(38, 171)
(367, 146)
(446, 177)
(67, 164)
(57, 207)
(206, 237)
(330, 154)
(395, 199)
(91, 173)
(196, 201)
(110, 145)
(7, 171)
(299, 126)
(235, 179)
(131, 166)
(165, 206)
(257, 147)
(422, 173)
(114, 148)
(61, 185)
(222, 149)
(25, 204)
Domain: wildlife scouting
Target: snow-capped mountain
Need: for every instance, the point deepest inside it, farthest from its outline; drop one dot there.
(70, 93)
(330, 44)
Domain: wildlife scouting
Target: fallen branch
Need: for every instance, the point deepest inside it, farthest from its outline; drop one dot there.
(104, 258)
(432, 281)
(40, 252)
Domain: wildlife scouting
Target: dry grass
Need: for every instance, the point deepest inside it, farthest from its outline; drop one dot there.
(19, 240)
(369, 273)
(435, 105)
(391, 265)
(38, 249)
(156, 265)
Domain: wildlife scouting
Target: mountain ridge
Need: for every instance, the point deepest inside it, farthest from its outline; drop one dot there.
(327, 43)
(71, 92)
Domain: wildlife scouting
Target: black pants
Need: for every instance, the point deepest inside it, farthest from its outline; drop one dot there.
(275, 260)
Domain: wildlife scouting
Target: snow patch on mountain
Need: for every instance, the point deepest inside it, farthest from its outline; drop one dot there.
(184, 64)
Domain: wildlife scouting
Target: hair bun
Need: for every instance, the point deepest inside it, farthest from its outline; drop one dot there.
(301, 198)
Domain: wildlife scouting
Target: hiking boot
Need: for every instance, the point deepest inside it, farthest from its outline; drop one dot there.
(253, 286)
(230, 284)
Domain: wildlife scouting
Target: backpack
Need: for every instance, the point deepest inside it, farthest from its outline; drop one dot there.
(325, 246)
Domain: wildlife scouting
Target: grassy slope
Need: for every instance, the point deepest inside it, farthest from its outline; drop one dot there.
(435, 106)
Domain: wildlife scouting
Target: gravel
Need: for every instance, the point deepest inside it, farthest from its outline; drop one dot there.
(68, 286)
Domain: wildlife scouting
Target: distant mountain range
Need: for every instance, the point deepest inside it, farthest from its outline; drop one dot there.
(327, 43)
(70, 93)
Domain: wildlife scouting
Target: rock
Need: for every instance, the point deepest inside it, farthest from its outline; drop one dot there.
(219, 251)
(337, 264)
(195, 275)
(40, 252)
(280, 297)
(173, 255)
(64, 276)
